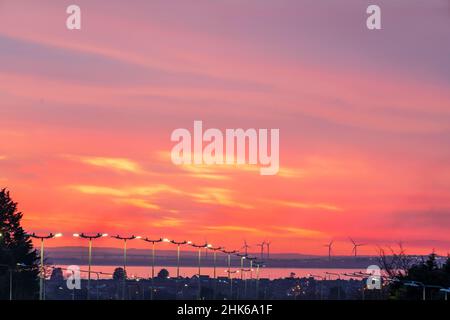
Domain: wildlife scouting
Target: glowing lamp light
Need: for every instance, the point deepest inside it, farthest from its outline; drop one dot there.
(76, 235)
(58, 235)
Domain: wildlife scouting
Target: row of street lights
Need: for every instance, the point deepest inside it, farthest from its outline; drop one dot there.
(92, 237)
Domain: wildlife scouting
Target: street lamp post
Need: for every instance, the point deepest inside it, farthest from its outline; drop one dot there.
(231, 281)
(339, 279)
(258, 265)
(153, 260)
(199, 247)
(417, 284)
(89, 238)
(178, 244)
(125, 239)
(215, 249)
(250, 269)
(321, 284)
(153, 252)
(229, 253)
(446, 291)
(242, 256)
(42, 273)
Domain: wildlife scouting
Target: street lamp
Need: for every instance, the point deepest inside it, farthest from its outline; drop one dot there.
(242, 256)
(153, 252)
(153, 260)
(258, 265)
(42, 273)
(215, 249)
(199, 247)
(178, 244)
(89, 238)
(125, 239)
(229, 253)
(417, 284)
(446, 291)
(250, 269)
(339, 281)
(231, 280)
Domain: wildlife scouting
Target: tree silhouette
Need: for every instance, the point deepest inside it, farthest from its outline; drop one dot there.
(163, 274)
(427, 272)
(18, 259)
(119, 274)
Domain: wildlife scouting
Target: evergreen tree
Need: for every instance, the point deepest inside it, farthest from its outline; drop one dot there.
(18, 259)
(119, 273)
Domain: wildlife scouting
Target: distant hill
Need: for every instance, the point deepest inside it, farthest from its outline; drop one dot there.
(141, 257)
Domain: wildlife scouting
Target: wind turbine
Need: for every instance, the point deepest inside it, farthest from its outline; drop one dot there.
(355, 246)
(262, 244)
(245, 247)
(329, 245)
(268, 249)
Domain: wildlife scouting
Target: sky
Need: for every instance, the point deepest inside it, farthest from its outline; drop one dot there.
(364, 117)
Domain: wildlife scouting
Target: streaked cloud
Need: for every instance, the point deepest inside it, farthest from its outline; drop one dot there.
(140, 203)
(305, 205)
(302, 233)
(99, 190)
(218, 196)
(168, 222)
(119, 164)
(125, 192)
(232, 228)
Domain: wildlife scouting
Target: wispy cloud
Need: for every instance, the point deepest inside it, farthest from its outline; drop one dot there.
(126, 191)
(118, 164)
(168, 222)
(140, 203)
(99, 190)
(232, 228)
(305, 205)
(218, 196)
(302, 233)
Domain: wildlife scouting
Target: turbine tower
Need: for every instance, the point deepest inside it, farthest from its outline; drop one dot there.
(329, 245)
(355, 246)
(262, 244)
(268, 249)
(245, 247)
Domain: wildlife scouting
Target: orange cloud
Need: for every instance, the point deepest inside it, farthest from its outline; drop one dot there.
(168, 222)
(125, 192)
(300, 232)
(218, 196)
(140, 203)
(232, 228)
(119, 164)
(303, 205)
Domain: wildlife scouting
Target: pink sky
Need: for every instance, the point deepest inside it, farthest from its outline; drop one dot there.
(364, 119)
